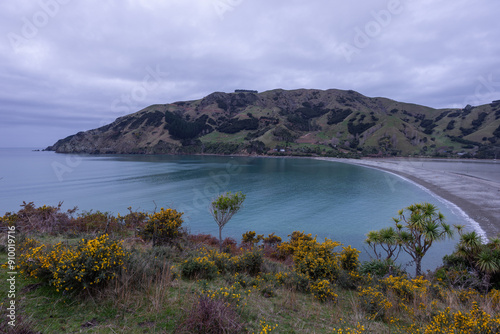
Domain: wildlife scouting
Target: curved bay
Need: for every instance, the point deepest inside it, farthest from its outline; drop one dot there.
(333, 200)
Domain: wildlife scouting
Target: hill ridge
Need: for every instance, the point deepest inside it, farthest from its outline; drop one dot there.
(329, 122)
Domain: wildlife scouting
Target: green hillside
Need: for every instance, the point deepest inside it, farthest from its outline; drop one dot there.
(296, 122)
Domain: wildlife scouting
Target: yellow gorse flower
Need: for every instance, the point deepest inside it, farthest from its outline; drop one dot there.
(67, 267)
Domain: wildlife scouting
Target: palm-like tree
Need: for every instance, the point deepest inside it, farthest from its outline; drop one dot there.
(418, 227)
(488, 263)
(373, 240)
(495, 243)
(469, 246)
(387, 239)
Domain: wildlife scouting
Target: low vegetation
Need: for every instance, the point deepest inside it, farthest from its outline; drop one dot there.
(95, 272)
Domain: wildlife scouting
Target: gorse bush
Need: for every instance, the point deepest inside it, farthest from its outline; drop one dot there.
(266, 328)
(225, 263)
(494, 298)
(475, 321)
(93, 262)
(406, 289)
(231, 295)
(163, 227)
(243, 280)
(317, 260)
(349, 258)
(288, 248)
(251, 239)
(34, 260)
(9, 219)
(89, 264)
(351, 280)
(199, 268)
(374, 303)
(415, 298)
(417, 305)
(249, 262)
(294, 281)
(322, 290)
(271, 240)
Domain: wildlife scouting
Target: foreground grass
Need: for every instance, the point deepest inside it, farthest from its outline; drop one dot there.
(163, 306)
(187, 286)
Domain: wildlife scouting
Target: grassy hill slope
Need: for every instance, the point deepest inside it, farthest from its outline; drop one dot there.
(296, 122)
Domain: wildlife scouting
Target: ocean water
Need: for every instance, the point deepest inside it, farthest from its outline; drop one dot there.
(331, 200)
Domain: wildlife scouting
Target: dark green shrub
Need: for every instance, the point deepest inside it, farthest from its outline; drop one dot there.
(95, 222)
(348, 280)
(143, 268)
(295, 281)
(338, 115)
(381, 268)
(199, 268)
(250, 262)
(237, 125)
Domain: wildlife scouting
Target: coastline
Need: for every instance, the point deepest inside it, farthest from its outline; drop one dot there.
(478, 198)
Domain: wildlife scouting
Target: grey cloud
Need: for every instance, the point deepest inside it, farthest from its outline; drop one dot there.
(89, 62)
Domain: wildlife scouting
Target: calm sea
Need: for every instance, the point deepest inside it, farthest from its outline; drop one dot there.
(333, 200)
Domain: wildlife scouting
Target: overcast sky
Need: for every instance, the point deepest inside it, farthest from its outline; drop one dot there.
(73, 65)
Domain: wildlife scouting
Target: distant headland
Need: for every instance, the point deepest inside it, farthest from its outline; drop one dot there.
(302, 122)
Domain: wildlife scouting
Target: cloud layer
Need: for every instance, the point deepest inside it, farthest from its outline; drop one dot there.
(69, 66)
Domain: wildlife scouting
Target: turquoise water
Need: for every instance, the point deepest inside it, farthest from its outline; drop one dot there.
(333, 200)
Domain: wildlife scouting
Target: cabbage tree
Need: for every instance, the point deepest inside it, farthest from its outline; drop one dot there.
(224, 207)
(418, 227)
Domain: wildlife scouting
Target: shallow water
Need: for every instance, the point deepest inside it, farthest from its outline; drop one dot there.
(334, 200)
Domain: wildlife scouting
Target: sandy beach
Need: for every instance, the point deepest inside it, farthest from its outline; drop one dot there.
(478, 197)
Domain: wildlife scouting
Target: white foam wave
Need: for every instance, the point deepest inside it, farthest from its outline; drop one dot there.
(453, 207)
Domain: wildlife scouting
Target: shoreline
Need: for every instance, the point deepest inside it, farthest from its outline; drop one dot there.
(477, 198)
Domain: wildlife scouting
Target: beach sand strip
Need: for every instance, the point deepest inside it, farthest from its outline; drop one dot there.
(478, 198)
